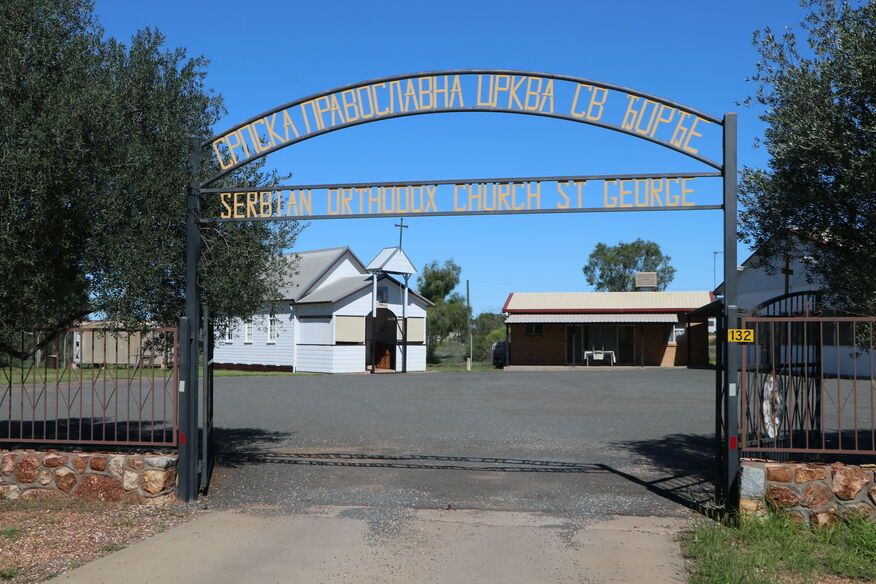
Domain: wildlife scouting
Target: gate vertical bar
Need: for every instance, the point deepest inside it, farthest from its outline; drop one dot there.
(731, 353)
(188, 444)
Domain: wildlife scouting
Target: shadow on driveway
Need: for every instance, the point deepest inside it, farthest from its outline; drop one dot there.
(686, 459)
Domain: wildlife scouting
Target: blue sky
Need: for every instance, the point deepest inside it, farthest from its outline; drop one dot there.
(264, 53)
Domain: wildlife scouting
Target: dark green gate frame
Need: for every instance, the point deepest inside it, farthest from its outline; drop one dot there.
(191, 330)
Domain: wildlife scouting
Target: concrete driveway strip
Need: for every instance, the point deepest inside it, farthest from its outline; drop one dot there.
(337, 545)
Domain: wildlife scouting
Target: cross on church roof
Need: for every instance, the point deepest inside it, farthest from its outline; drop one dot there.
(401, 227)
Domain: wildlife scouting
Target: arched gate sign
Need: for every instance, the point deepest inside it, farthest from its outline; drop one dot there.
(709, 140)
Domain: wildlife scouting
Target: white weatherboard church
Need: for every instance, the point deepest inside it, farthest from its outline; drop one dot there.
(337, 316)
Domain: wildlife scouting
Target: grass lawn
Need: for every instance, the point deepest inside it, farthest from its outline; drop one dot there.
(451, 357)
(779, 550)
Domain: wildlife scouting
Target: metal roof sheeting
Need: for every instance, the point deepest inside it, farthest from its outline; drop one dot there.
(532, 302)
(391, 260)
(616, 318)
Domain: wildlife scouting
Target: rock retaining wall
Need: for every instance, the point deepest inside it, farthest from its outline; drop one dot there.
(815, 493)
(110, 477)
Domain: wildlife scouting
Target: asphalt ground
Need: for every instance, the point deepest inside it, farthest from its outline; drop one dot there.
(580, 445)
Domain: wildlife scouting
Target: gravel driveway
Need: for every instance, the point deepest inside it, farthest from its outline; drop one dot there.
(577, 444)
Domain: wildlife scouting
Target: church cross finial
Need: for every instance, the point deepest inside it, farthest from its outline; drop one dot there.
(401, 227)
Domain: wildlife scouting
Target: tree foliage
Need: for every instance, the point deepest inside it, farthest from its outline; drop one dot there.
(612, 268)
(436, 280)
(487, 328)
(819, 187)
(450, 316)
(94, 151)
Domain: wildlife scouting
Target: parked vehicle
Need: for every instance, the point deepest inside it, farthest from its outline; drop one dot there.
(500, 353)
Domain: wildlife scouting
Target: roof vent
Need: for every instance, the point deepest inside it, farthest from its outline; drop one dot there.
(646, 281)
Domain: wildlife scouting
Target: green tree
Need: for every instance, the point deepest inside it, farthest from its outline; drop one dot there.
(819, 187)
(436, 281)
(613, 268)
(450, 316)
(95, 158)
(487, 328)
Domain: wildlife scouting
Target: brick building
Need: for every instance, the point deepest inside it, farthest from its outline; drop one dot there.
(596, 328)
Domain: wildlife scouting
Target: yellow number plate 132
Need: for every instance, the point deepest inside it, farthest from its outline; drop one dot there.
(740, 335)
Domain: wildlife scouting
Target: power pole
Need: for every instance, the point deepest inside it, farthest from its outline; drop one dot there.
(715, 255)
(468, 304)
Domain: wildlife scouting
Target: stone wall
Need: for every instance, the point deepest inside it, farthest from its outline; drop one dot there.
(134, 478)
(817, 494)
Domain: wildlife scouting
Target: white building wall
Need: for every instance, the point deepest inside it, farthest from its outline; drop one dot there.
(259, 351)
(755, 285)
(315, 358)
(291, 349)
(345, 268)
(416, 357)
(359, 304)
(348, 359)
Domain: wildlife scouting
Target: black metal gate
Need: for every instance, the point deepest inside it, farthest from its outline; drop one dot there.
(207, 450)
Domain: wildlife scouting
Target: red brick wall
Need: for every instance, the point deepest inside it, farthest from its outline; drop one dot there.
(698, 336)
(652, 338)
(546, 349)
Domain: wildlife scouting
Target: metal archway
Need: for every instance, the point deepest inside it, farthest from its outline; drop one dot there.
(654, 119)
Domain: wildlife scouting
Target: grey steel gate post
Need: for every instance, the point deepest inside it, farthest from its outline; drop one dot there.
(188, 407)
(731, 352)
(182, 485)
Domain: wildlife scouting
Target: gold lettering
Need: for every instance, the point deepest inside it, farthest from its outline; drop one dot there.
(514, 205)
(456, 92)
(369, 97)
(252, 198)
(662, 120)
(427, 97)
(375, 198)
(270, 122)
(304, 114)
(291, 204)
(240, 143)
(287, 124)
(219, 158)
(480, 101)
(456, 189)
(239, 205)
(671, 200)
(645, 105)
(580, 184)
(410, 97)
(656, 190)
(680, 130)
(335, 109)
(226, 211)
(306, 202)
(692, 133)
(533, 193)
(256, 138)
(512, 94)
(533, 87)
(320, 106)
(398, 93)
(608, 201)
(595, 106)
(431, 190)
(265, 204)
(350, 104)
(547, 97)
(623, 193)
(632, 114)
(564, 204)
(685, 192)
